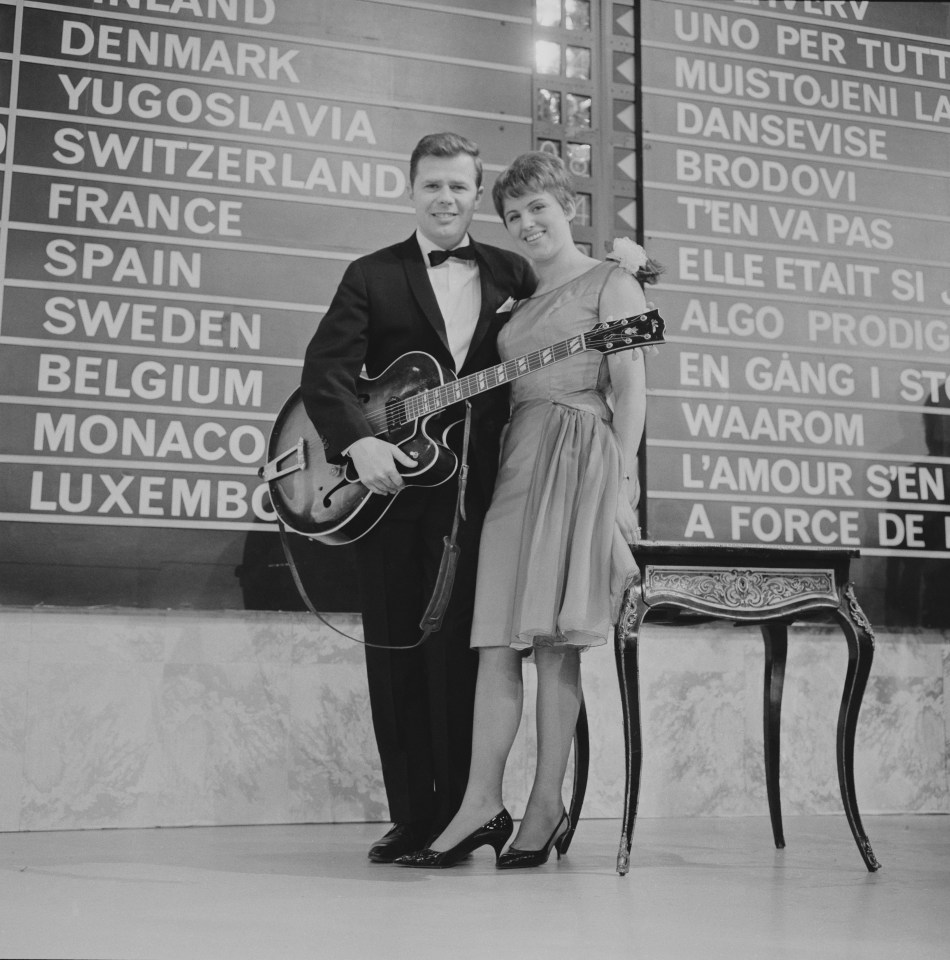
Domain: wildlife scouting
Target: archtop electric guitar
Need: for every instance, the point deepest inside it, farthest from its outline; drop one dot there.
(404, 405)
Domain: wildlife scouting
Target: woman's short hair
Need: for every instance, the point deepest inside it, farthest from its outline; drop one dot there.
(533, 172)
(445, 145)
(540, 172)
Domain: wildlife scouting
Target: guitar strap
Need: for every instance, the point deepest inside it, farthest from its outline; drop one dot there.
(442, 593)
(445, 579)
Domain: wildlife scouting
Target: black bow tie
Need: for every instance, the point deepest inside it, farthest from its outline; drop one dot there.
(440, 256)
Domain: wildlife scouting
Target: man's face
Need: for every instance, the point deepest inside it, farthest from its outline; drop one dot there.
(445, 197)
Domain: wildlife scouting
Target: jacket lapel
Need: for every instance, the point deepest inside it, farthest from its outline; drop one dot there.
(422, 290)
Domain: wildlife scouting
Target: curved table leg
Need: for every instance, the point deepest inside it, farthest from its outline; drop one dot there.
(632, 612)
(860, 637)
(775, 636)
(581, 767)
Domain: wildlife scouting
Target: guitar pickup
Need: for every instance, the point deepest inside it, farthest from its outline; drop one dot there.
(273, 469)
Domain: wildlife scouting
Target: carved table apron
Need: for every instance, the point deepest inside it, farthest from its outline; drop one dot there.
(768, 586)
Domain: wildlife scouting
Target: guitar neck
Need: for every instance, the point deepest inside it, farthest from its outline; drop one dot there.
(438, 398)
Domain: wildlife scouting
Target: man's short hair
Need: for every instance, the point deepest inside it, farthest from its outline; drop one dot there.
(445, 145)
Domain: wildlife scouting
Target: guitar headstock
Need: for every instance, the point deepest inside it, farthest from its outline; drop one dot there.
(627, 332)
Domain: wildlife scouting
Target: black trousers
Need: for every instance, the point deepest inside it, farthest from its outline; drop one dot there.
(422, 700)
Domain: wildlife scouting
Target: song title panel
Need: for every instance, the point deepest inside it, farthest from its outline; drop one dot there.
(796, 186)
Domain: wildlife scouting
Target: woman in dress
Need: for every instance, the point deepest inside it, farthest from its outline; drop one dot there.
(554, 558)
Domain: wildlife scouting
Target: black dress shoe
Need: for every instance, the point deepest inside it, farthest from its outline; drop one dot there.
(513, 858)
(402, 838)
(495, 833)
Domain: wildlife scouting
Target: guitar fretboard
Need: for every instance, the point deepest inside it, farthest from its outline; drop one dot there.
(438, 398)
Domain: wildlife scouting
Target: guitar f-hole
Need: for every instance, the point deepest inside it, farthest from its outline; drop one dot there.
(328, 498)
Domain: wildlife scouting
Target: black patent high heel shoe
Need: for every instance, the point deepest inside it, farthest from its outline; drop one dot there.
(513, 857)
(495, 833)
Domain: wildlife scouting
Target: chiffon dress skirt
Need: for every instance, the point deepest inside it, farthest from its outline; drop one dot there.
(553, 564)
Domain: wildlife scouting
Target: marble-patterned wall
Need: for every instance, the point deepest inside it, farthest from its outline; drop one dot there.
(134, 718)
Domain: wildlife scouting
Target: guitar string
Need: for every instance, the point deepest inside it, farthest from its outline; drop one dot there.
(403, 411)
(457, 390)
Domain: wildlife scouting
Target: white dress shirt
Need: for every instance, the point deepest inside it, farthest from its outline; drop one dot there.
(458, 291)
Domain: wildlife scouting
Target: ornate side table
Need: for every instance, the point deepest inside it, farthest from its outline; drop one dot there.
(768, 586)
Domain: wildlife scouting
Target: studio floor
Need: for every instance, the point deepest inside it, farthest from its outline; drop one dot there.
(697, 888)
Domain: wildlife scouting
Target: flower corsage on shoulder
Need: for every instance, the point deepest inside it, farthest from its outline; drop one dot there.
(634, 260)
(631, 256)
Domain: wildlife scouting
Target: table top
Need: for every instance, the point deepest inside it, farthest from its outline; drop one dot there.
(730, 552)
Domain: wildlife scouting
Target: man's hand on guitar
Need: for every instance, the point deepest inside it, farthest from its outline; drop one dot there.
(375, 462)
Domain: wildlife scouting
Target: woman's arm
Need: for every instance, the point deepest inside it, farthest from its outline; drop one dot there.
(623, 296)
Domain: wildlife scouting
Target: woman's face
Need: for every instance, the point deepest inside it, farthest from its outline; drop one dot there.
(539, 224)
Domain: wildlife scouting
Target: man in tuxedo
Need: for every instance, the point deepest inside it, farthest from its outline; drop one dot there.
(438, 292)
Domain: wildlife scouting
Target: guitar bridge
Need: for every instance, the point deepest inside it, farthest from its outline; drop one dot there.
(273, 469)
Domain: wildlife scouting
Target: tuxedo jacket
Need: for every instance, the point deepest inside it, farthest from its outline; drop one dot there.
(385, 307)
